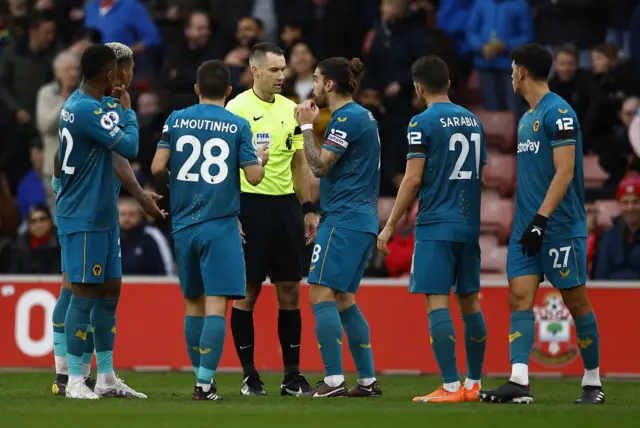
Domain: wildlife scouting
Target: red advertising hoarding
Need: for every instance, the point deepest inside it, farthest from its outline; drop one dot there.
(150, 328)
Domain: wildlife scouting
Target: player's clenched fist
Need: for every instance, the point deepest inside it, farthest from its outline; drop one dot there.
(263, 153)
(307, 112)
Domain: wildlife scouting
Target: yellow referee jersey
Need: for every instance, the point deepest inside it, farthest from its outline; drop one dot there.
(273, 123)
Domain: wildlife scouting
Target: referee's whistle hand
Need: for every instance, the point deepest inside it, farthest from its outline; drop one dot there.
(263, 153)
(310, 228)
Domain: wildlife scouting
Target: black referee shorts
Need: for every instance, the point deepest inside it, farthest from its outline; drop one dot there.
(274, 231)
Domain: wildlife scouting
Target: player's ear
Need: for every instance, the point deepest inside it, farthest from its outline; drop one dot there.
(196, 89)
(449, 84)
(330, 85)
(229, 89)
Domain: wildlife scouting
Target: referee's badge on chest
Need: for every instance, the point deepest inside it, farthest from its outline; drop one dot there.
(262, 139)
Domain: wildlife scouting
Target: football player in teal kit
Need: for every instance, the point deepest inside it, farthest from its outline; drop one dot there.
(444, 167)
(205, 146)
(112, 108)
(348, 164)
(86, 215)
(549, 232)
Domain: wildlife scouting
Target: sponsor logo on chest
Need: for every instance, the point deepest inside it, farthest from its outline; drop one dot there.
(528, 146)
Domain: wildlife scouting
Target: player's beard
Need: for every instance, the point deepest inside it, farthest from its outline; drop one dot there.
(321, 101)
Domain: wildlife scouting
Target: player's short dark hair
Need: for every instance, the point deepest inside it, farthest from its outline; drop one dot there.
(260, 50)
(95, 59)
(38, 18)
(568, 49)
(214, 79)
(346, 74)
(534, 58)
(432, 72)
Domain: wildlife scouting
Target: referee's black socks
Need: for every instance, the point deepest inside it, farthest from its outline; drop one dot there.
(290, 332)
(243, 337)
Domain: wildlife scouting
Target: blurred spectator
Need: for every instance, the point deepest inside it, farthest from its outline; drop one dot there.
(400, 38)
(620, 14)
(150, 120)
(292, 30)
(581, 22)
(634, 134)
(144, 249)
(66, 69)
(495, 28)
(335, 27)
(619, 249)
(37, 251)
(183, 59)
(453, 16)
(19, 10)
(267, 11)
(616, 80)
(83, 39)
(571, 83)
(127, 22)
(31, 189)
(249, 32)
(5, 29)
(24, 67)
(299, 86)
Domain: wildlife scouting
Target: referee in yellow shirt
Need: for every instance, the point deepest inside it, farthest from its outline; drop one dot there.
(272, 218)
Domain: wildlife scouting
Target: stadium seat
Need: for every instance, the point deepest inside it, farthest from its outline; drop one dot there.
(594, 176)
(606, 210)
(499, 128)
(488, 242)
(494, 260)
(490, 195)
(500, 172)
(473, 96)
(496, 216)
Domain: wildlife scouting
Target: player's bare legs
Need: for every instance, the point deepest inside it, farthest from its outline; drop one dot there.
(210, 345)
(359, 337)
(522, 293)
(243, 336)
(577, 301)
(329, 337)
(290, 335)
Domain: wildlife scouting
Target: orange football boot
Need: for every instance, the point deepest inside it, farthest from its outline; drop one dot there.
(441, 395)
(471, 394)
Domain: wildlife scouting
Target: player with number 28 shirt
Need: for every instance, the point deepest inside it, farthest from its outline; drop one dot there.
(205, 146)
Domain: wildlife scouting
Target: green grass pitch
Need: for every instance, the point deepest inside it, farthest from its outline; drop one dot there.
(26, 401)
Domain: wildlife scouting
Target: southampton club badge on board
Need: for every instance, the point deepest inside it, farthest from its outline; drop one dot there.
(554, 324)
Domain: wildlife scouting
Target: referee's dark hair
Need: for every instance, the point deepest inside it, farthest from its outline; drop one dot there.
(346, 74)
(260, 50)
(432, 72)
(534, 58)
(213, 80)
(96, 60)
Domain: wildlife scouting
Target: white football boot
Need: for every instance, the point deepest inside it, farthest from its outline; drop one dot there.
(118, 389)
(80, 391)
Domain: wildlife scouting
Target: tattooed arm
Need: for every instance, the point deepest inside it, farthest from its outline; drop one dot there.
(320, 160)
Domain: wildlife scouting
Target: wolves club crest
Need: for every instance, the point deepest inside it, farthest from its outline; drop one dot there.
(553, 320)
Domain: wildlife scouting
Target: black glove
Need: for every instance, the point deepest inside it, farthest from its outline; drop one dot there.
(532, 237)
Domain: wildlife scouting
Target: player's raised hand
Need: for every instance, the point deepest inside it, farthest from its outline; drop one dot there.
(383, 240)
(149, 203)
(121, 93)
(263, 153)
(307, 112)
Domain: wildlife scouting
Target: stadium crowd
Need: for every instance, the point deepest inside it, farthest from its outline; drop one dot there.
(596, 46)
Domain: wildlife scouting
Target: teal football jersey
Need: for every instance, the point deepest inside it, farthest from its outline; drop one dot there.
(86, 200)
(113, 109)
(208, 147)
(451, 139)
(552, 124)
(349, 192)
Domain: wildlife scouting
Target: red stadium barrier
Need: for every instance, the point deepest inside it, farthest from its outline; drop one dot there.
(150, 322)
